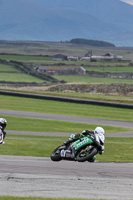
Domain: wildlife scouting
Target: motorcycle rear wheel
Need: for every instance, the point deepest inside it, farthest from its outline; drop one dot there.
(86, 156)
(55, 155)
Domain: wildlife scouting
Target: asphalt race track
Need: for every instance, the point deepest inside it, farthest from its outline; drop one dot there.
(27, 176)
(41, 177)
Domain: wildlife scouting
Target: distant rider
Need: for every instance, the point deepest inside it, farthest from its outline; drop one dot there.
(97, 136)
(3, 123)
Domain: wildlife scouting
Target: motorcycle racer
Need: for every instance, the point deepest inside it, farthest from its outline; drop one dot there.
(97, 136)
(3, 123)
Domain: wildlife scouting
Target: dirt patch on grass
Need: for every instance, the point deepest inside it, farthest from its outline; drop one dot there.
(107, 89)
(118, 89)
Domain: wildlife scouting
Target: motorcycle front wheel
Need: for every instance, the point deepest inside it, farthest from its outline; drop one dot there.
(84, 155)
(55, 155)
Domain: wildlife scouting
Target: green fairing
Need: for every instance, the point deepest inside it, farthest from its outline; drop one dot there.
(82, 142)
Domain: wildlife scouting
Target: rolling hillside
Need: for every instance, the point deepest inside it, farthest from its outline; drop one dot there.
(63, 20)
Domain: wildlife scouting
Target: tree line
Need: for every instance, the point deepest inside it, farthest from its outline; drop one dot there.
(91, 42)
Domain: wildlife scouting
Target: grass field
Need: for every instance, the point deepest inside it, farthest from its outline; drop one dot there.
(22, 77)
(25, 58)
(19, 77)
(45, 125)
(64, 108)
(96, 66)
(87, 79)
(111, 69)
(11, 75)
(116, 149)
(7, 68)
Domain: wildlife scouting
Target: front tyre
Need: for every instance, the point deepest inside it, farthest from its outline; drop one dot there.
(84, 155)
(55, 155)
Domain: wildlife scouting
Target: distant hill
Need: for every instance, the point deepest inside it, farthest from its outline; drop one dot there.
(61, 20)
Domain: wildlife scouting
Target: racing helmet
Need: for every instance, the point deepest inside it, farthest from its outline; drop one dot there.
(3, 123)
(99, 130)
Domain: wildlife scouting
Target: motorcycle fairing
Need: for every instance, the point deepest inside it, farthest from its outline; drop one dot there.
(82, 142)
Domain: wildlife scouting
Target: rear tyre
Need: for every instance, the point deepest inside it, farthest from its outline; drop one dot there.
(55, 155)
(83, 155)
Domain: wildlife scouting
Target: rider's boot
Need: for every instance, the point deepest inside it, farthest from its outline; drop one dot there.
(92, 159)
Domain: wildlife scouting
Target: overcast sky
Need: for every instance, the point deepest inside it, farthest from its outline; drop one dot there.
(128, 1)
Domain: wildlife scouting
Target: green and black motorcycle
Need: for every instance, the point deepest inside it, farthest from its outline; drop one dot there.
(81, 150)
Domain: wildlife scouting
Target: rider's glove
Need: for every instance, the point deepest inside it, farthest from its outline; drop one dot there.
(92, 137)
(74, 136)
(102, 150)
(87, 132)
(77, 135)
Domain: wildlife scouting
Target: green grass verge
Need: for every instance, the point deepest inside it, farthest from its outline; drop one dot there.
(116, 149)
(64, 108)
(87, 96)
(87, 79)
(45, 125)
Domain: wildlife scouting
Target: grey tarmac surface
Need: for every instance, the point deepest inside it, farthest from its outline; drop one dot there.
(68, 118)
(41, 177)
(124, 134)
